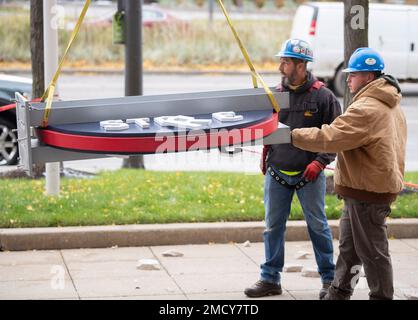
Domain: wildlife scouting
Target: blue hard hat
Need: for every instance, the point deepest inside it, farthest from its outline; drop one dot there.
(365, 59)
(296, 48)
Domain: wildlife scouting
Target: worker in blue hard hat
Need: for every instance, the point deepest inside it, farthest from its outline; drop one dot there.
(365, 65)
(370, 139)
(291, 170)
(297, 53)
(296, 48)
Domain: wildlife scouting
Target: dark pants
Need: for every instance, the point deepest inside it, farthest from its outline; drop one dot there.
(363, 241)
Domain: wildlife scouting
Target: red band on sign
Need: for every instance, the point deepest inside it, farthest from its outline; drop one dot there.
(8, 107)
(159, 144)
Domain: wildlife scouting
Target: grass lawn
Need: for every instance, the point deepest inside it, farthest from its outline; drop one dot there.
(139, 197)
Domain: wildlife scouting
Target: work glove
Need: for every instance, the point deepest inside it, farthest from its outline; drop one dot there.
(263, 166)
(313, 170)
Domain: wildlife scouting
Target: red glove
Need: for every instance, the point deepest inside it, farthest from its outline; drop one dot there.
(263, 160)
(313, 170)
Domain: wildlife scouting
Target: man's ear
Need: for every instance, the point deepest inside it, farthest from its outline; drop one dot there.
(370, 77)
(301, 67)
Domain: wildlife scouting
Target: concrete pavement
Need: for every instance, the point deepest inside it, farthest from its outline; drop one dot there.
(205, 272)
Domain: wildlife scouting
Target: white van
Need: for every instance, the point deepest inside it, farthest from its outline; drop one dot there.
(393, 31)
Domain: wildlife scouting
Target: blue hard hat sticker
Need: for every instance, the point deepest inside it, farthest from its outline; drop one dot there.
(370, 61)
(296, 49)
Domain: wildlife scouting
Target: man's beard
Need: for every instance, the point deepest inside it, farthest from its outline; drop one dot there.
(289, 80)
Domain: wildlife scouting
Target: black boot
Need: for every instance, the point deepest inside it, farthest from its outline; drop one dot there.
(324, 290)
(262, 288)
(336, 294)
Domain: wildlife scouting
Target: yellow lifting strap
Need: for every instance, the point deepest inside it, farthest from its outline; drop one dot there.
(49, 93)
(255, 75)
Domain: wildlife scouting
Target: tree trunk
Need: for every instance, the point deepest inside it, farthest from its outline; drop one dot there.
(200, 3)
(37, 47)
(279, 3)
(260, 3)
(356, 28)
(238, 3)
(37, 58)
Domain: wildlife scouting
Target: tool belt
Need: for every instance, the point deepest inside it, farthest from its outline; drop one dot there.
(302, 183)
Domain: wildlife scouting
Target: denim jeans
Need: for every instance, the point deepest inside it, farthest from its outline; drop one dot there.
(277, 201)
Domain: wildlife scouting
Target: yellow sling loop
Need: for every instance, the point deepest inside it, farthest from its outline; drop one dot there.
(49, 93)
(255, 75)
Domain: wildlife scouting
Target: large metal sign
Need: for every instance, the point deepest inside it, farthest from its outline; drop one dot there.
(89, 129)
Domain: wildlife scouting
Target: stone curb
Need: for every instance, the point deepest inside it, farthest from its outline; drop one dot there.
(166, 234)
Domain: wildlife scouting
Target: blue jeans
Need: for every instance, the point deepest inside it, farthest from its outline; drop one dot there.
(277, 201)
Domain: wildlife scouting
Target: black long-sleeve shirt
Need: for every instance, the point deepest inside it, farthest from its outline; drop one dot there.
(309, 107)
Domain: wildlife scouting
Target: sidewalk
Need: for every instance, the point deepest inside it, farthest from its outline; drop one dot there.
(205, 272)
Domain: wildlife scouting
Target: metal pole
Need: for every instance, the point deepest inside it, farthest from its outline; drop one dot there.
(52, 187)
(211, 11)
(121, 5)
(133, 56)
(133, 62)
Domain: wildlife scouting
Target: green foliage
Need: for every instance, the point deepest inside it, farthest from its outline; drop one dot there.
(196, 43)
(140, 197)
(15, 37)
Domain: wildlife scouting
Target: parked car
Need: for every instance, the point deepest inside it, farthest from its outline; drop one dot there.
(393, 31)
(8, 138)
(151, 16)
